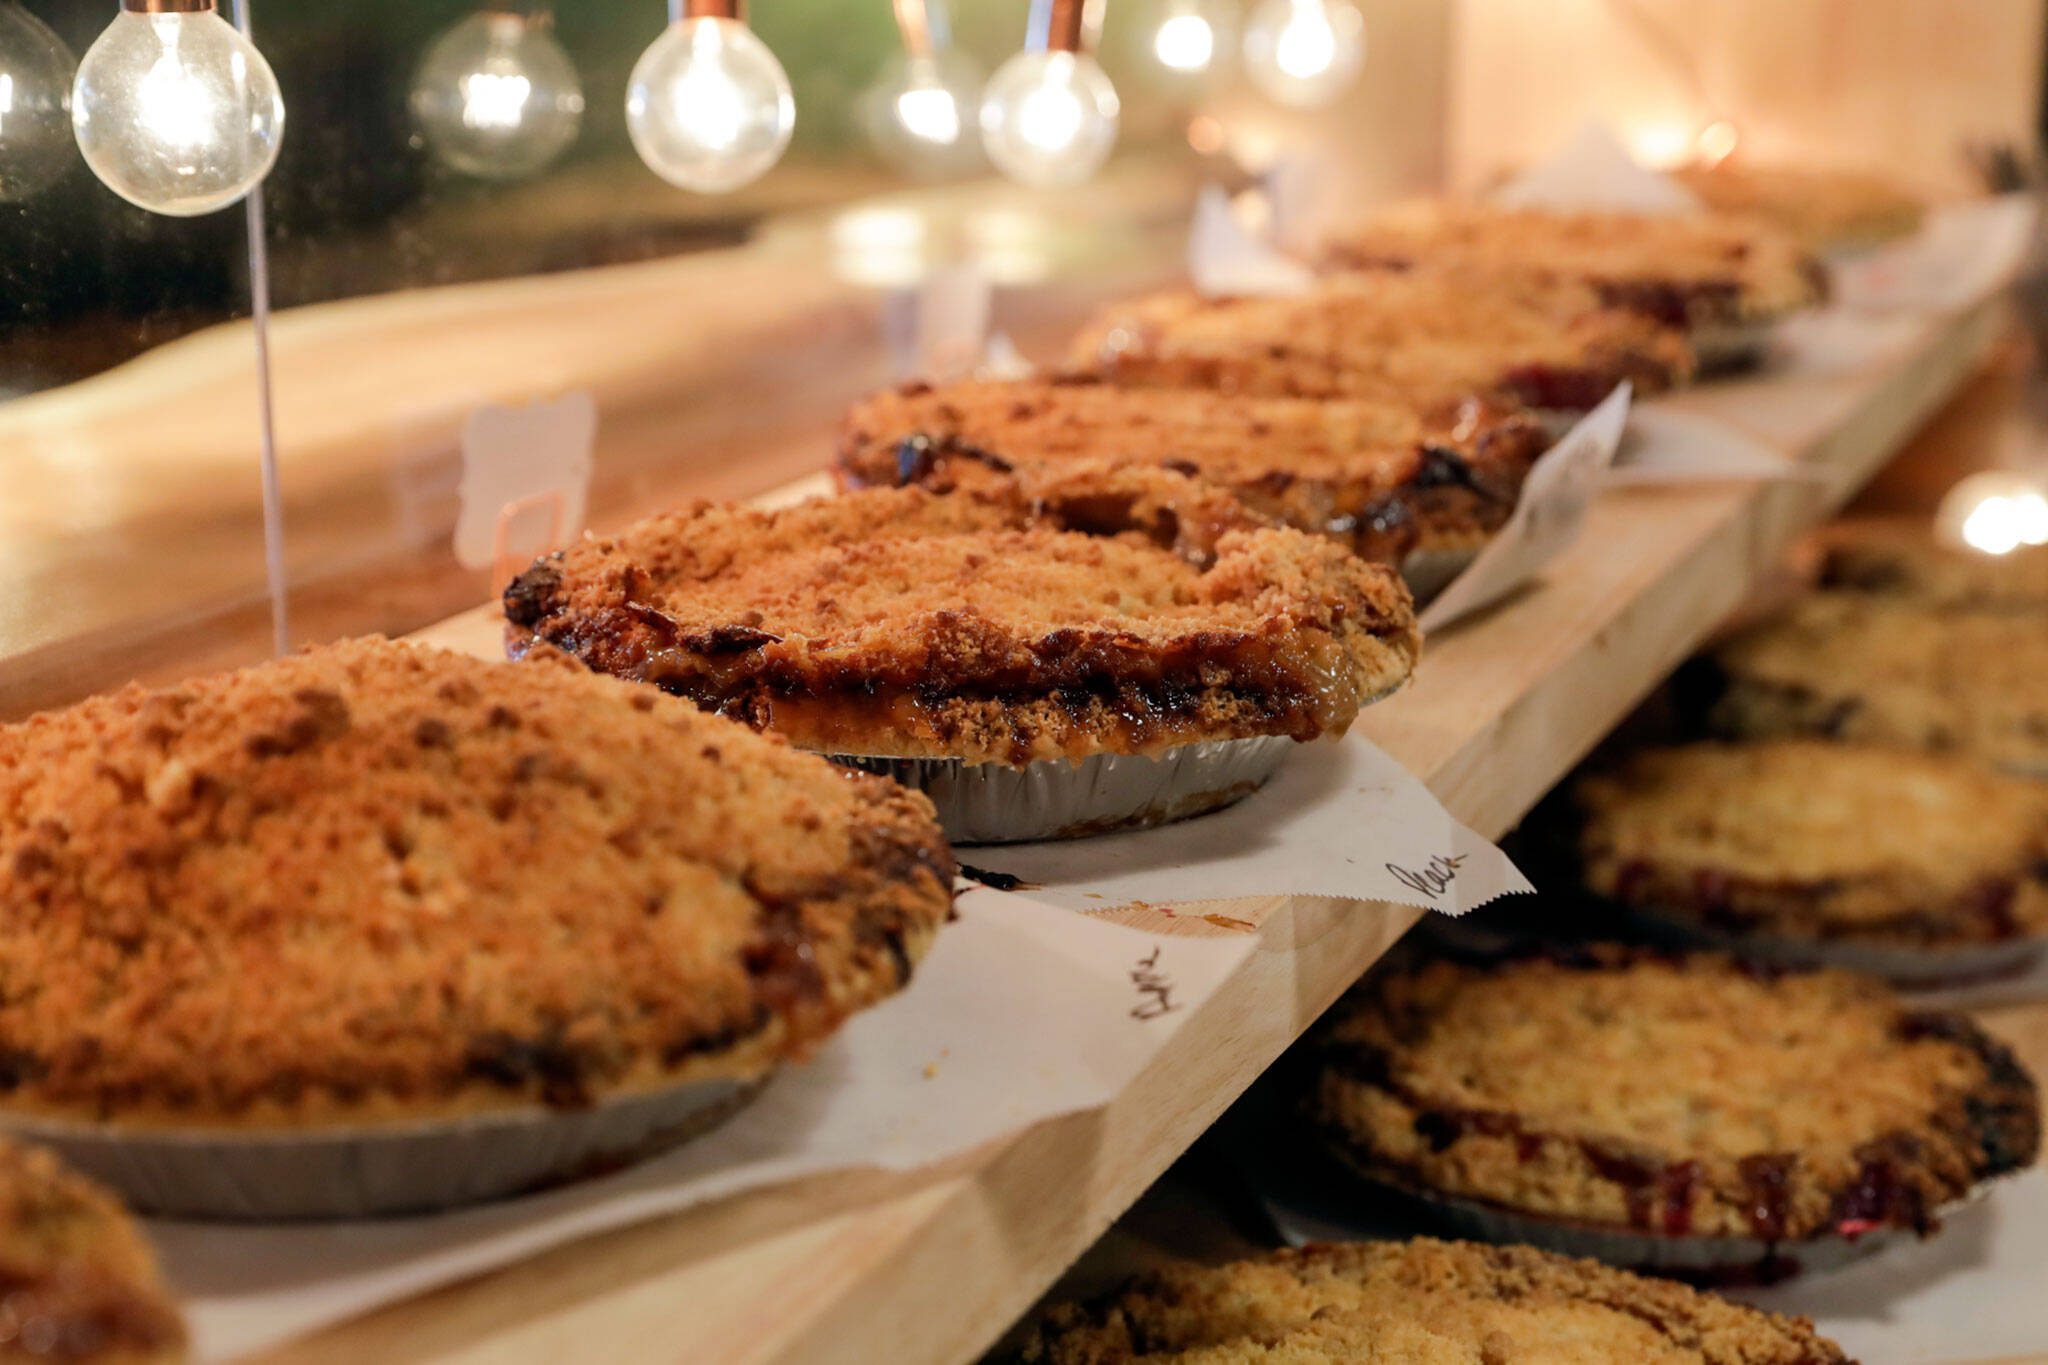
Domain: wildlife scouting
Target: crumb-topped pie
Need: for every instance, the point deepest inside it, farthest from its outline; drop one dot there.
(1828, 209)
(77, 1280)
(1903, 559)
(1387, 479)
(1422, 1302)
(1717, 277)
(1805, 844)
(1125, 611)
(376, 884)
(1689, 1112)
(1424, 337)
(1885, 670)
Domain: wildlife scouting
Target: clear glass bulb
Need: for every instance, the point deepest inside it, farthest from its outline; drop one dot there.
(920, 113)
(497, 97)
(177, 113)
(1049, 118)
(35, 104)
(709, 107)
(1304, 52)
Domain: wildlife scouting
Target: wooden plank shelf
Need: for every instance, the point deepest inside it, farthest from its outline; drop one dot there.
(935, 1265)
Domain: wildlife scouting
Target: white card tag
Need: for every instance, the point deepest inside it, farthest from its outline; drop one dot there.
(1225, 260)
(525, 480)
(1595, 171)
(1964, 253)
(1668, 446)
(1547, 519)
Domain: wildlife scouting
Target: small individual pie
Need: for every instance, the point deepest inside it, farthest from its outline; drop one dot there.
(1829, 210)
(1424, 338)
(1422, 1302)
(1386, 479)
(80, 1283)
(1112, 610)
(380, 884)
(1718, 278)
(1903, 559)
(1640, 1106)
(1800, 843)
(1885, 670)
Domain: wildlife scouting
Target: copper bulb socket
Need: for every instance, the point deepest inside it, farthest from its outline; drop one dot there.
(680, 10)
(169, 6)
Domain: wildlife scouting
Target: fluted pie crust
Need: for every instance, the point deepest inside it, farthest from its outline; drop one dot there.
(1383, 478)
(1105, 611)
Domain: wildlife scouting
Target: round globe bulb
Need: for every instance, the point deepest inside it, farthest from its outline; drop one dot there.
(1995, 511)
(177, 113)
(1304, 53)
(920, 114)
(1049, 118)
(709, 108)
(497, 97)
(35, 104)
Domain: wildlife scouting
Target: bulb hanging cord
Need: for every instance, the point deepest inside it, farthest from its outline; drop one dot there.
(923, 26)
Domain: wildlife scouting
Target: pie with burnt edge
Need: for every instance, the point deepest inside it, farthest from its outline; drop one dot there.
(1107, 610)
(1667, 1096)
(1384, 478)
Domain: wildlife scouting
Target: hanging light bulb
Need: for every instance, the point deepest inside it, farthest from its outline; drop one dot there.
(1304, 53)
(1192, 41)
(920, 109)
(1995, 511)
(496, 95)
(35, 104)
(175, 110)
(709, 108)
(1049, 116)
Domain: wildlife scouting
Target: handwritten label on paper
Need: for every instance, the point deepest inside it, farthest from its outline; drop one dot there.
(1155, 989)
(525, 479)
(1433, 879)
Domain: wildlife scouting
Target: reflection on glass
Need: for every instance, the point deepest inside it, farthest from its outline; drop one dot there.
(177, 113)
(35, 104)
(1304, 53)
(1049, 118)
(709, 107)
(497, 97)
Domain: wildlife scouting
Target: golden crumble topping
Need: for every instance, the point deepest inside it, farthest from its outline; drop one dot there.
(1119, 610)
(1671, 1095)
(1422, 1302)
(1903, 559)
(1808, 839)
(376, 880)
(1383, 478)
(1423, 337)
(1826, 209)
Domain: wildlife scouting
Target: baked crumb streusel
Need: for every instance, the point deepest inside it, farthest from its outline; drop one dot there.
(1110, 611)
(1422, 1302)
(77, 1280)
(1423, 337)
(1804, 839)
(1382, 478)
(1903, 559)
(1827, 209)
(1882, 670)
(1671, 1095)
(380, 881)
(1684, 270)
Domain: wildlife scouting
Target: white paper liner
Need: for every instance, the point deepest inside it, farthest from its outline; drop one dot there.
(1666, 445)
(1340, 818)
(1011, 991)
(1595, 171)
(990, 803)
(1963, 254)
(370, 1172)
(1546, 520)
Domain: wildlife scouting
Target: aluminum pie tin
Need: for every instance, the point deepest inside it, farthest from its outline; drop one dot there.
(386, 1170)
(992, 803)
(1725, 347)
(1913, 965)
(1430, 570)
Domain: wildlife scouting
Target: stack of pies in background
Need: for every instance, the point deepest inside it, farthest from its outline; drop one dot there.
(1723, 281)
(1427, 337)
(1689, 1114)
(378, 928)
(1100, 648)
(1920, 868)
(1397, 485)
(1903, 560)
(1830, 211)
(1422, 1301)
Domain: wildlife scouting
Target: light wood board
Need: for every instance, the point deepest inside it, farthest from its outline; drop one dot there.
(933, 1266)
